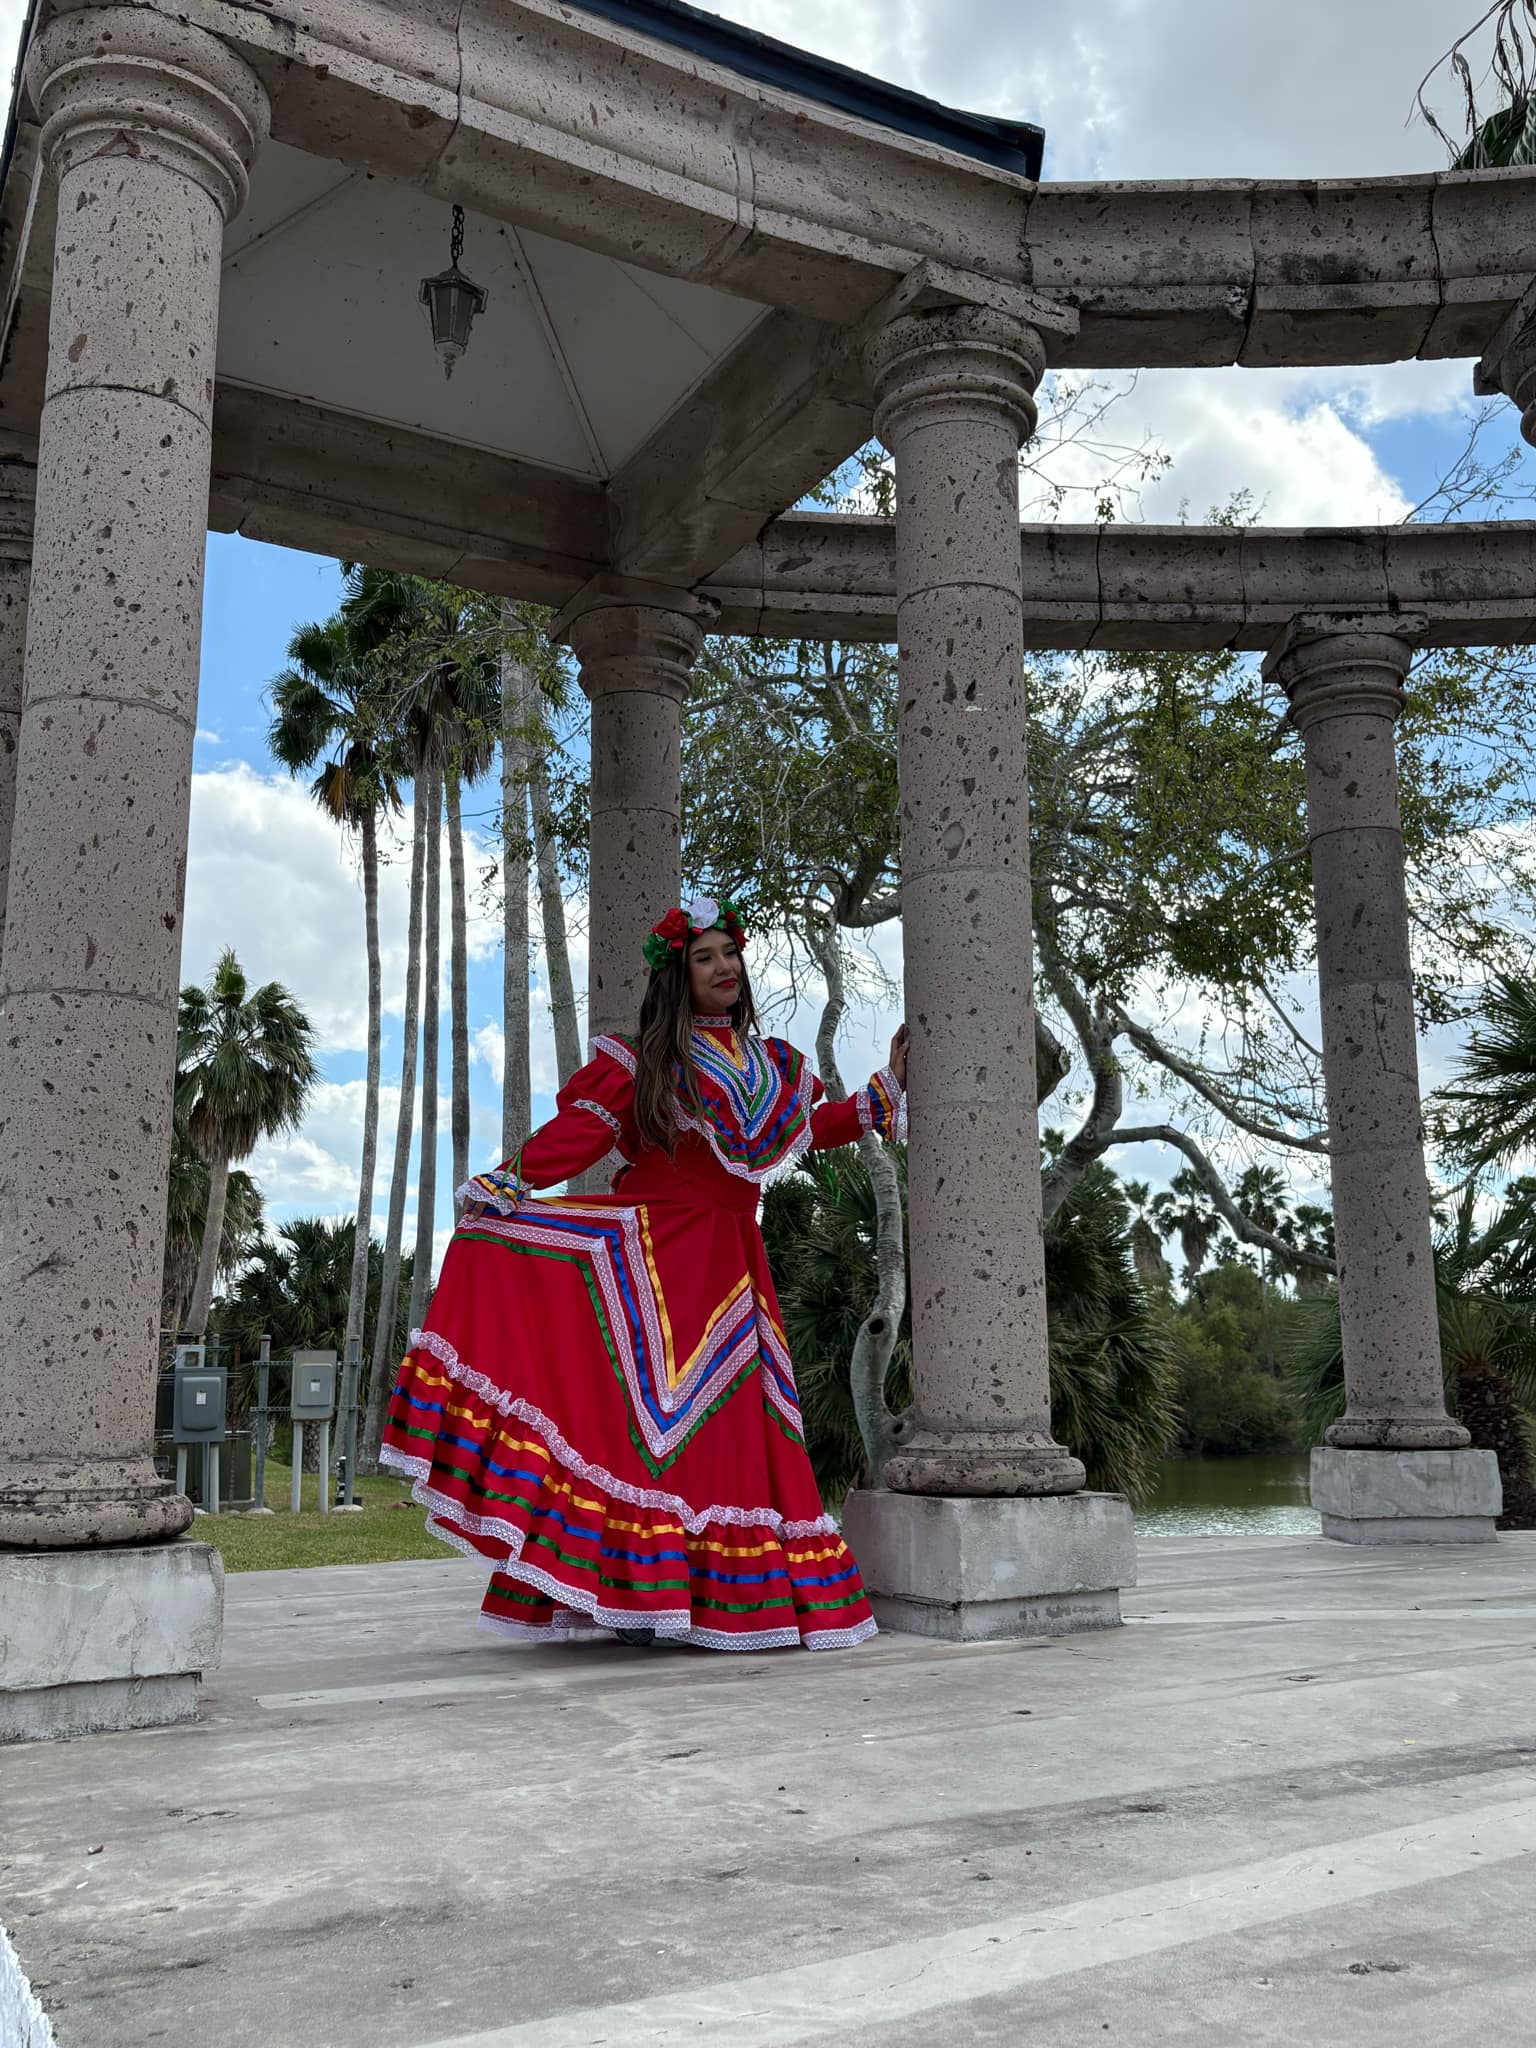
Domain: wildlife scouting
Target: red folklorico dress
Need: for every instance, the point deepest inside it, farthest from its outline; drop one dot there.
(602, 1403)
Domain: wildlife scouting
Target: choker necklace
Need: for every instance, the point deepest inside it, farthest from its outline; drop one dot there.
(704, 1023)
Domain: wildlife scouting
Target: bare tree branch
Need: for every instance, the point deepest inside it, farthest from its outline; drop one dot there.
(1239, 1224)
(1225, 1105)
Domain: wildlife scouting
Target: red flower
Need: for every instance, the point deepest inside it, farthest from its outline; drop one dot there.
(673, 927)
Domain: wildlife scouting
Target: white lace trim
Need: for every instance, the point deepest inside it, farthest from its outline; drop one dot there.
(485, 1190)
(897, 1135)
(673, 1625)
(694, 1520)
(616, 1049)
(605, 1116)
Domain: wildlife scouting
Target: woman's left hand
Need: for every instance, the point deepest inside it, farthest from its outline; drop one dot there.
(898, 1060)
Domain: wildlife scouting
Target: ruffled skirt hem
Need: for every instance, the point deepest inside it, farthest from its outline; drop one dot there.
(574, 1557)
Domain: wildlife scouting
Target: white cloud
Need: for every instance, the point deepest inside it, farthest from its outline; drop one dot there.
(1157, 88)
(268, 874)
(211, 739)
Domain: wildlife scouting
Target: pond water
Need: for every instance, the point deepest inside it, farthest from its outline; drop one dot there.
(1264, 1496)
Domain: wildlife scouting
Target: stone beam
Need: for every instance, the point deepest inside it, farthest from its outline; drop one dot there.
(781, 412)
(1148, 587)
(586, 130)
(307, 477)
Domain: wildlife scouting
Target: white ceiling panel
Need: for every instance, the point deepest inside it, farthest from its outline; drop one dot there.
(574, 362)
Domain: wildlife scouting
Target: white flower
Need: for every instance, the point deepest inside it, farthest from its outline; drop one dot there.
(703, 912)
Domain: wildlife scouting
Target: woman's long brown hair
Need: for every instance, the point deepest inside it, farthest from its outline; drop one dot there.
(665, 1075)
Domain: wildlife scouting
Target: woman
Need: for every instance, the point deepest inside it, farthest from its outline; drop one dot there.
(602, 1402)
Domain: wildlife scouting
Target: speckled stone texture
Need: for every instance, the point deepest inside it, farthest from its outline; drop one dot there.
(635, 664)
(954, 398)
(149, 126)
(1344, 678)
(17, 481)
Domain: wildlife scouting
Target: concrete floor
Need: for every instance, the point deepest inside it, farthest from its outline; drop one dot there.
(1295, 1799)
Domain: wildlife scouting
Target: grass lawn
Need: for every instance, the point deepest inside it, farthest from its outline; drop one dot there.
(390, 1526)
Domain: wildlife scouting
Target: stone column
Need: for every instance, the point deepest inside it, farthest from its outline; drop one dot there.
(1395, 1468)
(635, 665)
(148, 128)
(954, 392)
(17, 481)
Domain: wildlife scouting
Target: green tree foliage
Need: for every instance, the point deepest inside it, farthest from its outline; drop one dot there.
(244, 1068)
(1229, 1404)
(295, 1289)
(1506, 135)
(1170, 861)
(186, 1212)
(1112, 1374)
(1486, 1115)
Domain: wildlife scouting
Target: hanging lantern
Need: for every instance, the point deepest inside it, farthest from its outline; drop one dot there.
(452, 301)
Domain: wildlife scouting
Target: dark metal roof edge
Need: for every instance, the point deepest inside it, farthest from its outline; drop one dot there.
(1017, 146)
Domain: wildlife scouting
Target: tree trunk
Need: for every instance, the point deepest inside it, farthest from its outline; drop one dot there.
(880, 1430)
(557, 952)
(357, 1297)
(381, 1377)
(1486, 1403)
(426, 1168)
(516, 1081)
(208, 1257)
(458, 982)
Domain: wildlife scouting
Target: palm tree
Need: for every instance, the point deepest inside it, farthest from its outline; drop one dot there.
(244, 1068)
(328, 707)
(1488, 1113)
(1113, 1376)
(186, 1211)
(297, 1290)
(517, 693)
(441, 645)
(1184, 1210)
(1507, 136)
(385, 1351)
(1146, 1247)
(1310, 1229)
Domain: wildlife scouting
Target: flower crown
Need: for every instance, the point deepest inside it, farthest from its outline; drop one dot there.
(703, 914)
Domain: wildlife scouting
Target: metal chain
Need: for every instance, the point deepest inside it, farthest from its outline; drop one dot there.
(456, 246)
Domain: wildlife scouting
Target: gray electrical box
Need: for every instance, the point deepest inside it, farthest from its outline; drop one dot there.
(314, 1386)
(197, 1411)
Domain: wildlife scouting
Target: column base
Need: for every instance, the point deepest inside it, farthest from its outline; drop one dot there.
(106, 1639)
(984, 1570)
(60, 1503)
(1433, 1496)
(990, 1463)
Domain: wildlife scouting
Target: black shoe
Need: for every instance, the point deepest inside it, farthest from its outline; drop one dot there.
(641, 1638)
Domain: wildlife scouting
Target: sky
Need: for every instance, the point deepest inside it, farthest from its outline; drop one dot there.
(1124, 89)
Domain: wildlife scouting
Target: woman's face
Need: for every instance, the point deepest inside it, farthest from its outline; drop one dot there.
(714, 973)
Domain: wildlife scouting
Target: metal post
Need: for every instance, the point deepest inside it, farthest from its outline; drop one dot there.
(295, 1494)
(263, 1379)
(181, 1468)
(325, 1466)
(211, 1478)
(349, 1382)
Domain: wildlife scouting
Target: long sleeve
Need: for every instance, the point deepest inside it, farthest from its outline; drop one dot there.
(592, 1116)
(880, 1106)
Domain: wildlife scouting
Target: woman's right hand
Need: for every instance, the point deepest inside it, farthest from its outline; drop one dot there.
(473, 1211)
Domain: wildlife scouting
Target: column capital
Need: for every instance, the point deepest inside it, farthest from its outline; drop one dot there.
(955, 361)
(636, 647)
(130, 81)
(1508, 364)
(1335, 664)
